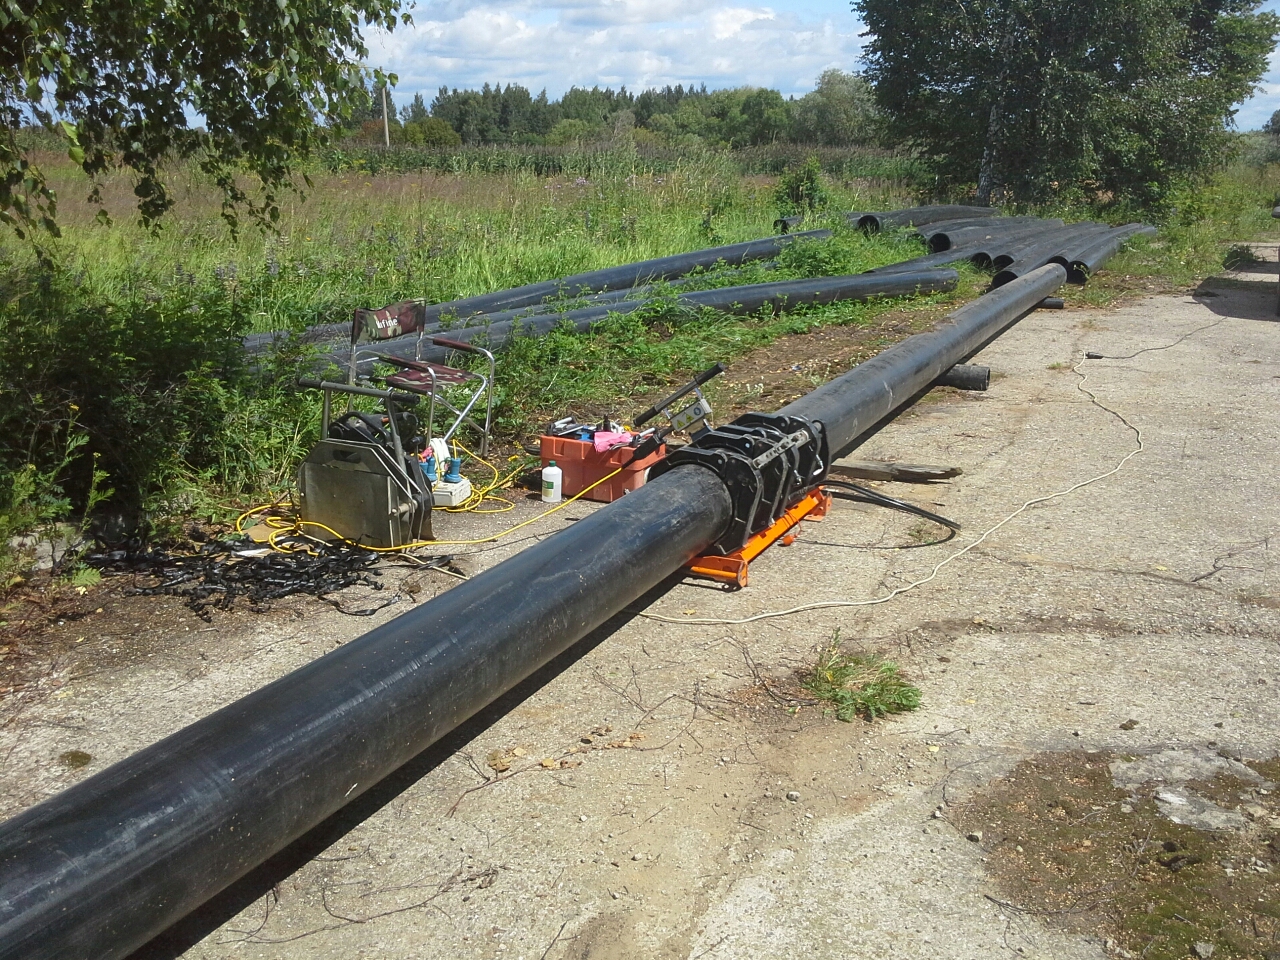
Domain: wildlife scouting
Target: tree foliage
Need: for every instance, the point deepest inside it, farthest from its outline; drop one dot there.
(1024, 97)
(840, 112)
(243, 87)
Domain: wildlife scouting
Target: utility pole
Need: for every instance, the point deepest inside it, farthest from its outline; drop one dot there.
(386, 124)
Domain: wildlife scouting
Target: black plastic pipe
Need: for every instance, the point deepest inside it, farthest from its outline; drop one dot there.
(981, 250)
(1052, 240)
(1084, 263)
(942, 226)
(1036, 255)
(738, 300)
(946, 237)
(340, 333)
(966, 376)
(96, 871)
(594, 281)
(853, 407)
(619, 278)
(645, 291)
(99, 869)
(917, 216)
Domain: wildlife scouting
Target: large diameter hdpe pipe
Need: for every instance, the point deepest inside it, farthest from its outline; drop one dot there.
(1084, 262)
(96, 871)
(917, 216)
(99, 869)
(945, 238)
(853, 406)
(738, 300)
(1051, 241)
(595, 281)
(618, 278)
(982, 249)
(1050, 251)
(645, 291)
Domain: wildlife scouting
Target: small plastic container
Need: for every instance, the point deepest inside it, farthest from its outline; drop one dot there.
(552, 480)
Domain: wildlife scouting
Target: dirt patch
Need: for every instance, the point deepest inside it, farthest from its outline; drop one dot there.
(794, 365)
(1066, 844)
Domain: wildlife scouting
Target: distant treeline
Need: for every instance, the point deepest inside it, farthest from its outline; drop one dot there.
(612, 159)
(840, 112)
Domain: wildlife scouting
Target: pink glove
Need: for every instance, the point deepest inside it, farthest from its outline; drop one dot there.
(607, 441)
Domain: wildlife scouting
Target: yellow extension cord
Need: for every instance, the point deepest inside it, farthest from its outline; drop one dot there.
(283, 526)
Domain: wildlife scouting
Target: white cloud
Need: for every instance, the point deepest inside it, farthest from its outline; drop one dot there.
(728, 21)
(639, 43)
(1257, 110)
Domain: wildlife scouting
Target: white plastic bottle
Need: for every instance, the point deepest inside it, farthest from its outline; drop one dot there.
(551, 478)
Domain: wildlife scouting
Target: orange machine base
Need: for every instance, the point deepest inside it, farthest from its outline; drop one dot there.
(732, 569)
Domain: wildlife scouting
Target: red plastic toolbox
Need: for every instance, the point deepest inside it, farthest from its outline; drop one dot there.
(582, 467)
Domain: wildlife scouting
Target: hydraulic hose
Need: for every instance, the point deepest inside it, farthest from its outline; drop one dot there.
(97, 870)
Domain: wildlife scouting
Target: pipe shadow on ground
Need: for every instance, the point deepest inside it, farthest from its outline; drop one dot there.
(1239, 299)
(259, 882)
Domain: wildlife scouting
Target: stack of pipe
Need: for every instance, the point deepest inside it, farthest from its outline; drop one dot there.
(497, 329)
(1015, 246)
(1012, 246)
(623, 278)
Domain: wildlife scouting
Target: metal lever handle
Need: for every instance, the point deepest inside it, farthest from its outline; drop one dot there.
(692, 385)
(392, 395)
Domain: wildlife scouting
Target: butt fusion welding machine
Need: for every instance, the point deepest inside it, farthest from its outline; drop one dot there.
(366, 480)
(772, 466)
(358, 482)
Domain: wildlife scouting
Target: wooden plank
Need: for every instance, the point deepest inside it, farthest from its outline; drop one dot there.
(893, 472)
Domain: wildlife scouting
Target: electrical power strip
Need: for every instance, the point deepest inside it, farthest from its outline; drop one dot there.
(445, 494)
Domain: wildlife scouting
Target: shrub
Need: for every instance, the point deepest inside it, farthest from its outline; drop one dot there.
(143, 386)
(801, 190)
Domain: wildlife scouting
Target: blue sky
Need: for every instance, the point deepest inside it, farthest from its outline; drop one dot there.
(556, 44)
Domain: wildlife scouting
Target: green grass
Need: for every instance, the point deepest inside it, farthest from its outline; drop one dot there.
(859, 685)
(360, 239)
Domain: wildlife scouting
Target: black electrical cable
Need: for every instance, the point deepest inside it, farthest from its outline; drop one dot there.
(860, 494)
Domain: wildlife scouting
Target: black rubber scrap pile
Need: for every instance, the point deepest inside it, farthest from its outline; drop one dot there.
(222, 572)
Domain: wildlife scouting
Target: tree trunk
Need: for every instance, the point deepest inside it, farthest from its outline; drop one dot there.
(386, 124)
(990, 151)
(989, 170)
